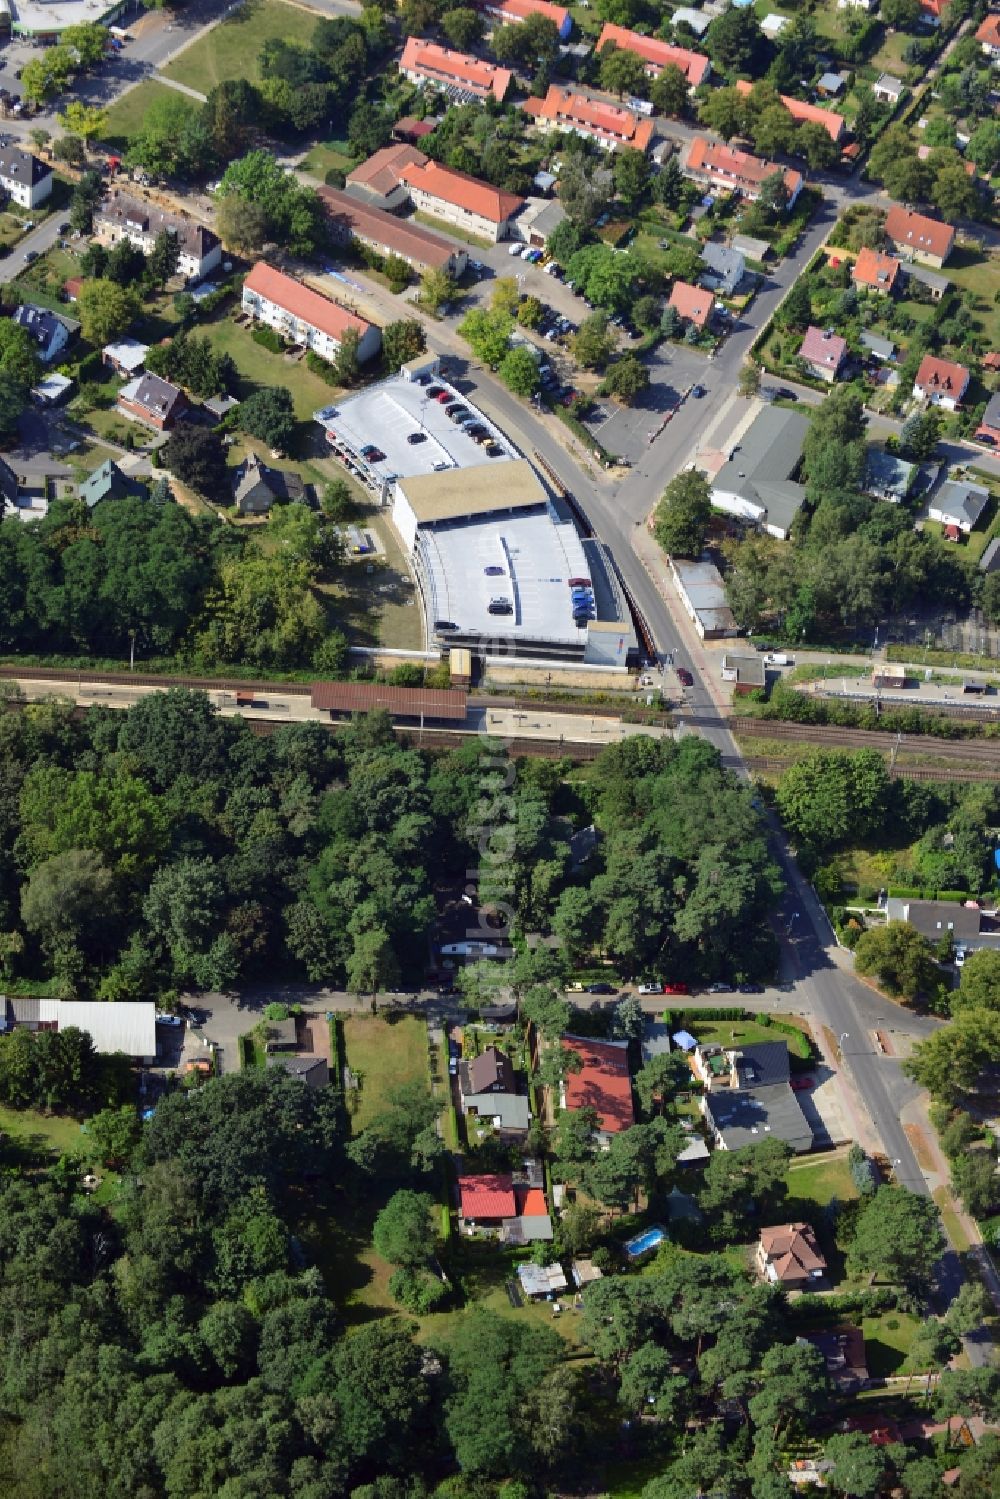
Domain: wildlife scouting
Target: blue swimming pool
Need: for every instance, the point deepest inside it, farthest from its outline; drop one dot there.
(644, 1242)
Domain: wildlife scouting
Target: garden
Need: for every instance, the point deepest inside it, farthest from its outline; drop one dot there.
(232, 48)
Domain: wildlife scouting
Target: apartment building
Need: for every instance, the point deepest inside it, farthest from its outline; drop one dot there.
(122, 217)
(421, 248)
(303, 316)
(722, 167)
(657, 55)
(807, 114)
(456, 198)
(513, 12)
(467, 79)
(611, 126)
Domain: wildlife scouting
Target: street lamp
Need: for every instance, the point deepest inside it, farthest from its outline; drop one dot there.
(892, 1167)
(844, 1036)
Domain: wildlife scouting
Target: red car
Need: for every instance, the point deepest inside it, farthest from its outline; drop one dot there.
(801, 1084)
(676, 989)
(685, 677)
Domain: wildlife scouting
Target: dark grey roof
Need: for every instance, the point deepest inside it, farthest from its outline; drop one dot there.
(745, 1117)
(932, 279)
(152, 393)
(989, 562)
(8, 482)
(123, 212)
(991, 416)
(883, 348)
(312, 1070)
(963, 501)
(280, 484)
(655, 1040)
(493, 1068)
(936, 918)
(769, 454)
(761, 1065)
(22, 166)
(727, 266)
(42, 324)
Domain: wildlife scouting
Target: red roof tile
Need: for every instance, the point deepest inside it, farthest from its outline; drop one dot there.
(487, 1197)
(805, 113)
(989, 32)
(942, 375)
(823, 348)
(383, 170)
(726, 165)
(603, 1084)
(595, 117)
(319, 312)
(531, 1202)
(515, 11)
(692, 302)
(874, 268)
(463, 191)
(442, 65)
(657, 54)
(918, 232)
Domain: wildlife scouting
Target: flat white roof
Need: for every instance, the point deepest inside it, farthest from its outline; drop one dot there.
(32, 16)
(539, 551)
(127, 1025)
(388, 413)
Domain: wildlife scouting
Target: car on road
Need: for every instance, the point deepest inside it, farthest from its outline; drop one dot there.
(30, 255)
(719, 987)
(685, 677)
(697, 391)
(516, 249)
(600, 988)
(651, 986)
(434, 391)
(677, 987)
(800, 1084)
(782, 394)
(495, 571)
(171, 1020)
(751, 988)
(453, 1066)
(445, 626)
(959, 957)
(414, 437)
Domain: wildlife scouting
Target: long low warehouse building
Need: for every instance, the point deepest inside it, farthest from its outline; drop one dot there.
(350, 219)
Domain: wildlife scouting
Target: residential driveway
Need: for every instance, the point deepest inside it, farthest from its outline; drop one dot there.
(824, 1108)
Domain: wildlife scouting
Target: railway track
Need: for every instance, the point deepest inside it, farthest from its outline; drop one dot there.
(939, 773)
(152, 679)
(973, 751)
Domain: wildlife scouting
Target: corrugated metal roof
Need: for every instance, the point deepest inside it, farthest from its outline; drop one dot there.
(127, 1025)
(401, 702)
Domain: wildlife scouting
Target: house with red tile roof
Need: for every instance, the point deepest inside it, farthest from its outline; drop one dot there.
(916, 237)
(465, 78)
(657, 55)
(932, 11)
(715, 166)
(693, 304)
(806, 114)
(789, 1256)
(456, 198)
(603, 1084)
(513, 12)
(303, 316)
(350, 219)
(875, 270)
(379, 181)
(988, 36)
(824, 352)
(598, 120)
(488, 1199)
(941, 382)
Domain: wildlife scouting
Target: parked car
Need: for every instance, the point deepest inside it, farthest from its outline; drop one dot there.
(516, 249)
(445, 626)
(495, 571)
(676, 987)
(171, 1020)
(651, 986)
(445, 398)
(434, 391)
(685, 677)
(800, 1084)
(414, 437)
(697, 391)
(601, 988)
(751, 988)
(720, 987)
(959, 957)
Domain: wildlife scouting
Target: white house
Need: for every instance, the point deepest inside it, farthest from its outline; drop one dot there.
(25, 178)
(50, 333)
(303, 316)
(958, 505)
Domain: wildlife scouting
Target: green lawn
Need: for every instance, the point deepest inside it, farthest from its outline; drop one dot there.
(380, 607)
(232, 49)
(382, 1052)
(816, 1182)
(979, 273)
(324, 156)
(886, 1344)
(737, 1032)
(258, 366)
(453, 231)
(127, 114)
(31, 1138)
